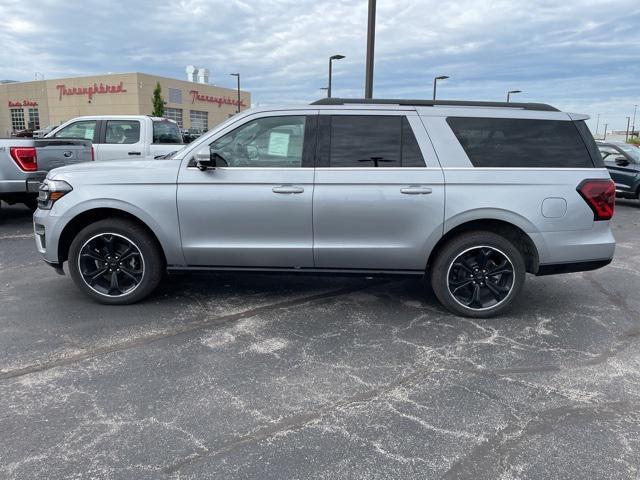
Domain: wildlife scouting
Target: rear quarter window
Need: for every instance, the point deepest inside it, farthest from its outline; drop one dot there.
(521, 143)
(165, 131)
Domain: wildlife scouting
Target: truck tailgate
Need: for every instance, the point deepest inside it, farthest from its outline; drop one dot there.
(54, 153)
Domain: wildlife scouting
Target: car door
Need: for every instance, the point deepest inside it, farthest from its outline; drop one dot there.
(254, 209)
(80, 130)
(379, 192)
(120, 140)
(622, 169)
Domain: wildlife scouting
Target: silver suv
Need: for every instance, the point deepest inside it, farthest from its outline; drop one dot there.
(472, 194)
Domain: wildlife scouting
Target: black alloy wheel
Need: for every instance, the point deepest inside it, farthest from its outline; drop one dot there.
(481, 277)
(111, 264)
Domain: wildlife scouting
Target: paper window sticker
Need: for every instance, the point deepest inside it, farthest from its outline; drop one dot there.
(278, 144)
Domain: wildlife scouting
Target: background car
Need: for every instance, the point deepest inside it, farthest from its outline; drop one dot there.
(623, 162)
(26, 133)
(43, 131)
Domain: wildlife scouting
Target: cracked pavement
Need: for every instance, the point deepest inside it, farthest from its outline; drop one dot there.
(294, 377)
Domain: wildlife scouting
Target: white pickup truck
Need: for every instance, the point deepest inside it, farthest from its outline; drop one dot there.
(118, 137)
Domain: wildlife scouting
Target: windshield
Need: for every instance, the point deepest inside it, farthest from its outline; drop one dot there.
(633, 152)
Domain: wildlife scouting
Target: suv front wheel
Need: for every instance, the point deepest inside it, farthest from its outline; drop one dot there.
(478, 274)
(115, 261)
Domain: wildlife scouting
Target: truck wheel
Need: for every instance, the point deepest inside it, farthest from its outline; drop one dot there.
(478, 274)
(115, 262)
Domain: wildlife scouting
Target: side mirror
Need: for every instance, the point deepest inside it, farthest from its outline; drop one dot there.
(621, 161)
(204, 161)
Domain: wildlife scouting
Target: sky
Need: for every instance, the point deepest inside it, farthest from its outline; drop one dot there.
(578, 55)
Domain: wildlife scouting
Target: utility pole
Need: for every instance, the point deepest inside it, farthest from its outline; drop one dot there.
(605, 131)
(626, 137)
(633, 128)
(597, 124)
(371, 40)
(238, 76)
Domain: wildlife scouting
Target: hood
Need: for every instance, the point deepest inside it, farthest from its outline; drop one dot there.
(118, 172)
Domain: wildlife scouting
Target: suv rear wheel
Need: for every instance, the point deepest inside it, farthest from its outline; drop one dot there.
(478, 274)
(115, 262)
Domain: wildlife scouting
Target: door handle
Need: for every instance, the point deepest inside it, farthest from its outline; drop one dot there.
(415, 190)
(287, 189)
(135, 153)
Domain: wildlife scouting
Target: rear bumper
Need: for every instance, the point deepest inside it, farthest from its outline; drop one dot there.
(555, 268)
(596, 244)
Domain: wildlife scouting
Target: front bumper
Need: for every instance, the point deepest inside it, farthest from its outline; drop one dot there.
(47, 228)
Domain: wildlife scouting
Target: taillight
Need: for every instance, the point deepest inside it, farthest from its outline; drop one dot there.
(93, 154)
(25, 157)
(600, 195)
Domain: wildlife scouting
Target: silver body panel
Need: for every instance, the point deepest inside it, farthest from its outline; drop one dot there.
(348, 219)
(50, 155)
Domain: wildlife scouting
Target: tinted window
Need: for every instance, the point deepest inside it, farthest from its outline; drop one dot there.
(82, 130)
(509, 142)
(590, 143)
(373, 141)
(411, 154)
(166, 132)
(264, 142)
(122, 131)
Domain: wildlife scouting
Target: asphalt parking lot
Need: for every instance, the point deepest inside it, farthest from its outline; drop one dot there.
(283, 377)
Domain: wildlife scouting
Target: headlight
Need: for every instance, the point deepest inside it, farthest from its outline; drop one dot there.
(52, 191)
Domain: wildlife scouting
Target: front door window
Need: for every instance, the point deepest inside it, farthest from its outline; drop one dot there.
(266, 142)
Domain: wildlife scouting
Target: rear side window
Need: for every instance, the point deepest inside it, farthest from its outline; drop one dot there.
(521, 143)
(122, 131)
(165, 131)
(373, 141)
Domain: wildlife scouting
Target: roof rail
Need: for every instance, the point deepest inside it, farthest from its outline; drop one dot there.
(434, 103)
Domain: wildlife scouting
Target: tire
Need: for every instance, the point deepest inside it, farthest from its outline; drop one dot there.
(31, 204)
(458, 268)
(122, 249)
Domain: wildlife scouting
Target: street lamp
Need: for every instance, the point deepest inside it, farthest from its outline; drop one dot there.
(371, 40)
(605, 131)
(510, 92)
(238, 76)
(331, 59)
(597, 124)
(633, 127)
(435, 81)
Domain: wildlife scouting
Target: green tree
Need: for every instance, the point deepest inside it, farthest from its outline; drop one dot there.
(158, 101)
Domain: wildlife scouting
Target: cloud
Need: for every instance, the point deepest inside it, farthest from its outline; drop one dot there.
(579, 55)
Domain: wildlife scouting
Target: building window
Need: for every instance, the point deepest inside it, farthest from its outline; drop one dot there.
(174, 114)
(17, 119)
(175, 95)
(199, 120)
(34, 118)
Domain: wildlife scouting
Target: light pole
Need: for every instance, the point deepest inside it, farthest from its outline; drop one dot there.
(435, 81)
(605, 131)
(626, 137)
(597, 124)
(331, 59)
(371, 40)
(238, 76)
(633, 127)
(510, 92)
